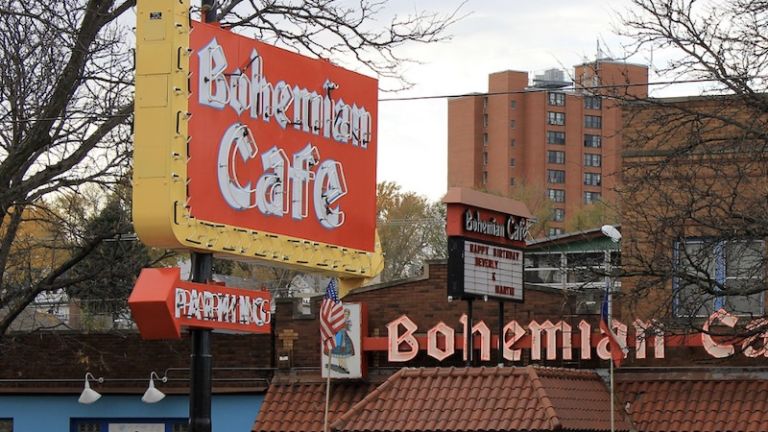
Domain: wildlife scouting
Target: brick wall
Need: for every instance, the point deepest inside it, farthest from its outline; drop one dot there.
(125, 360)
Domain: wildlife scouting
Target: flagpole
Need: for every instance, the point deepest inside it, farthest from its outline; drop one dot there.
(610, 362)
(332, 321)
(611, 232)
(327, 391)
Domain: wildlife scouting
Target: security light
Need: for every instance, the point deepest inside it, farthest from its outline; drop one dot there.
(89, 395)
(611, 232)
(153, 395)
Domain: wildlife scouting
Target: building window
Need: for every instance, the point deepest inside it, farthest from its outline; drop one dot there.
(555, 231)
(556, 195)
(511, 181)
(512, 162)
(579, 270)
(88, 427)
(485, 177)
(593, 122)
(485, 120)
(6, 425)
(556, 99)
(485, 104)
(485, 139)
(711, 274)
(513, 104)
(592, 179)
(592, 160)
(555, 176)
(594, 141)
(104, 425)
(592, 102)
(485, 158)
(555, 137)
(512, 124)
(512, 142)
(558, 215)
(556, 118)
(543, 268)
(591, 197)
(555, 157)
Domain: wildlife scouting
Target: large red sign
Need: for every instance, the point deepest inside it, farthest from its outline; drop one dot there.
(279, 142)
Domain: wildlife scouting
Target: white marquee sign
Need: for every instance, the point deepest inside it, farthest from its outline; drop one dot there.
(493, 271)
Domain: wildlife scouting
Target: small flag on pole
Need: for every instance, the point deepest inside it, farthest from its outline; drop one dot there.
(331, 316)
(615, 346)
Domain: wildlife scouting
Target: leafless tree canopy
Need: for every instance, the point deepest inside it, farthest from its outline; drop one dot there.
(695, 175)
(411, 229)
(66, 103)
(361, 31)
(723, 41)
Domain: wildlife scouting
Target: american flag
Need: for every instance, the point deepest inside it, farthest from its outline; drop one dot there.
(616, 348)
(331, 316)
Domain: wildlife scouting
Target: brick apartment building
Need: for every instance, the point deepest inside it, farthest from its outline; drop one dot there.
(556, 136)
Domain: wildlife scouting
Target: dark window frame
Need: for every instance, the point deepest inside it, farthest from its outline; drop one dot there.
(555, 118)
(555, 98)
(593, 102)
(593, 179)
(555, 176)
(593, 122)
(593, 141)
(593, 160)
(556, 157)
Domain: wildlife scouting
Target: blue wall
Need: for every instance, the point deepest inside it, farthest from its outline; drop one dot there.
(34, 413)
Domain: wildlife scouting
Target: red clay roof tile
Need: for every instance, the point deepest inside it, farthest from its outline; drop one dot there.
(659, 404)
(484, 399)
(299, 407)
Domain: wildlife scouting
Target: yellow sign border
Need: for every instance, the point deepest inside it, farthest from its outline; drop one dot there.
(161, 218)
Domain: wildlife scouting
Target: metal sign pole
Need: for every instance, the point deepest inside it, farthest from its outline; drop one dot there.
(201, 359)
(501, 333)
(470, 336)
(208, 10)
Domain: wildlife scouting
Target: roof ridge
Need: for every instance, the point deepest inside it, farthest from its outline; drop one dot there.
(560, 372)
(340, 422)
(546, 403)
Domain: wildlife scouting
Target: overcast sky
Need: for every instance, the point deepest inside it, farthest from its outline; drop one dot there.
(496, 36)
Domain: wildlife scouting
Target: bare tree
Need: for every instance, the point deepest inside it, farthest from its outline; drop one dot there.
(695, 174)
(411, 229)
(344, 31)
(65, 108)
(66, 103)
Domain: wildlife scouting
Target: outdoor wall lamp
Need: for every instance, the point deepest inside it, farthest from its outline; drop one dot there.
(153, 395)
(89, 395)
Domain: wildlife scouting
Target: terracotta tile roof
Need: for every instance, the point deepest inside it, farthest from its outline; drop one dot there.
(299, 407)
(484, 399)
(696, 405)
